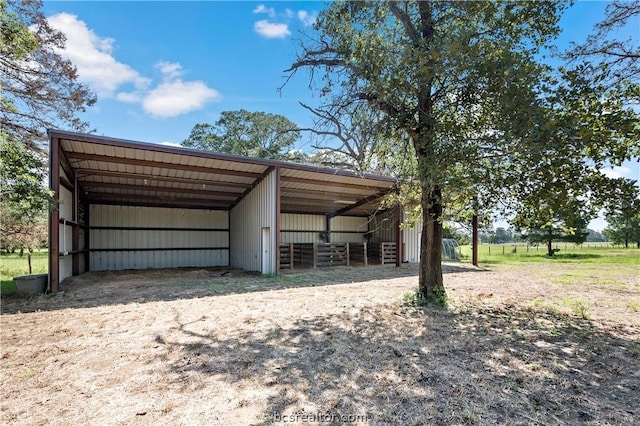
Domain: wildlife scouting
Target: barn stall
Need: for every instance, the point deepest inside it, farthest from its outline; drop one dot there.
(132, 205)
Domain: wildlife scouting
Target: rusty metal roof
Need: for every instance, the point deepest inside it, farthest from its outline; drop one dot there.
(117, 171)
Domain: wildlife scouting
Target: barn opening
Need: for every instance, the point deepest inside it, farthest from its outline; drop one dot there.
(132, 205)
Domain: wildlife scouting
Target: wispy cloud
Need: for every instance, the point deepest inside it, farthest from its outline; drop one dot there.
(277, 26)
(271, 30)
(103, 73)
(307, 18)
(269, 11)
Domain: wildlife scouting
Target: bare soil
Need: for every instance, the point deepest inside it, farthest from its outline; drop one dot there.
(331, 346)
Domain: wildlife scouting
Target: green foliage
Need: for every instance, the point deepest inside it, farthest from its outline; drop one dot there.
(413, 299)
(252, 134)
(39, 87)
(25, 200)
(623, 214)
(452, 80)
(557, 219)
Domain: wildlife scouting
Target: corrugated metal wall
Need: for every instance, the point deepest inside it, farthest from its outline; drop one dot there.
(66, 233)
(382, 227)
(411, 238)
(307, 228)
(354, 229)
(247, 219)
(113, 229)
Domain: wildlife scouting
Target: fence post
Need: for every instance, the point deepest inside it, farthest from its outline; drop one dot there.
(347, 248)
(502, 249)
(366, 260)
(315, 255)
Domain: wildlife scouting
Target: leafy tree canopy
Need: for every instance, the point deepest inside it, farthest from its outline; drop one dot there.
(252, 134)
(456, 79)
(39, 87)
(623, 214)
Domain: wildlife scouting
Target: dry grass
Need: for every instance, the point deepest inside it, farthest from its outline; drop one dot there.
(331, 346)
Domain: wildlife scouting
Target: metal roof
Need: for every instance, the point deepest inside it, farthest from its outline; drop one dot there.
(117, 171)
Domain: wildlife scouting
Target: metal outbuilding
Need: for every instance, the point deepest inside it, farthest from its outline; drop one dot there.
(122, 204)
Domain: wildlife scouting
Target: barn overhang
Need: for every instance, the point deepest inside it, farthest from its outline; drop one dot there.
(103, 170)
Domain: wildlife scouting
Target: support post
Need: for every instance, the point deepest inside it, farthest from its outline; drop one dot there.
(347, 252)
(327, 227)
(474, 240)
(366, 257)
(399, 214)
(54, 217)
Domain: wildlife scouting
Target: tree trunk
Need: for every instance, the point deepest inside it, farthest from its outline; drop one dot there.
(550, 248)
(431, 286)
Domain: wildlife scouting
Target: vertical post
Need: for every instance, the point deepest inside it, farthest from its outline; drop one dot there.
(291, 255)
(347, 252)
(366, 256)
(54, 217)
(327, 227)
(399, 235)
(75, 249)
(474, 240)
(277, 208)
(87, 238)
(315, 255)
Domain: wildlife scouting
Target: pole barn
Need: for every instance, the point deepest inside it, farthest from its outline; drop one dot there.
(131, 205)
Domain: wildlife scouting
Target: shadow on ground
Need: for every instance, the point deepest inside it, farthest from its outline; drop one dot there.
(139, 286)
(409, 366)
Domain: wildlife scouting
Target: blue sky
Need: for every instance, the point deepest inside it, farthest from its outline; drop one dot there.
(159, 68)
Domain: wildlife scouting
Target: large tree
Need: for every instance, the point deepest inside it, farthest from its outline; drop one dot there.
(554, 218)
(39, 90)
(253, 134)
(456, 78)
(623, 214)
(39, 87)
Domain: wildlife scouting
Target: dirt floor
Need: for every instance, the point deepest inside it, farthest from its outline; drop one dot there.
(516, 345)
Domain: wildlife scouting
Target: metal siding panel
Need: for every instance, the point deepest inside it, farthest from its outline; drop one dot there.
(66, 204)
(411, 239)
(255, 211)
(130, 216)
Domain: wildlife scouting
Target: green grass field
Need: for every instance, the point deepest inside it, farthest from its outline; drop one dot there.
(588, 253)
(12, 265)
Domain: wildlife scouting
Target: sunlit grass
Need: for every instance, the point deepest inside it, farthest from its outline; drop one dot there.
(12, 265)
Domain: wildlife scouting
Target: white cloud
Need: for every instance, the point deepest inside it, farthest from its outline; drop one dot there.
(266, 10)
(616, 172)
(289, 13)
(173, 98)
(170, 70)
(92, 56)
(307, 18)
(271, 30)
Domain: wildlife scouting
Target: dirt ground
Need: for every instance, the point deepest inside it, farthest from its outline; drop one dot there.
(516, 345)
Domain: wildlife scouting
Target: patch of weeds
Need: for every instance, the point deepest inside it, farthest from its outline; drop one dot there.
(579, 307)
(635, 350)
(634, 305)
(274, 333)
(534, 367)
(413, 298)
